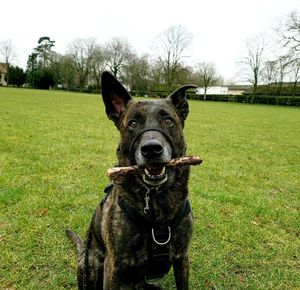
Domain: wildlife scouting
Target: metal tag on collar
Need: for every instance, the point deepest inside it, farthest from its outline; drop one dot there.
(147, 198)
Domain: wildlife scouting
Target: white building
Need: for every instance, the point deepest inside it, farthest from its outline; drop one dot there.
(213, 91)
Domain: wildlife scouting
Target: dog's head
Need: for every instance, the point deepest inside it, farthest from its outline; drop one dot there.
(151, 131)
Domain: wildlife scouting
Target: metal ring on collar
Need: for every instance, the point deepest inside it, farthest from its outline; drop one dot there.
(161, 243)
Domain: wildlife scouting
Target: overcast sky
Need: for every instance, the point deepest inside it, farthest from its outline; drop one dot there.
(219, 27)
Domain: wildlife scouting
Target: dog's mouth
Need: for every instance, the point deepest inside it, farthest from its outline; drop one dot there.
(155, 174)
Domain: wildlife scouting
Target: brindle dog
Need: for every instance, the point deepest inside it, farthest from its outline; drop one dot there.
(144, 224)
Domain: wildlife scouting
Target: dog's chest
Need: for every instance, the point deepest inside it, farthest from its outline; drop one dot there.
(145, 259)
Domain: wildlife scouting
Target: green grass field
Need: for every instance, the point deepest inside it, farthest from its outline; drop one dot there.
(55, 148)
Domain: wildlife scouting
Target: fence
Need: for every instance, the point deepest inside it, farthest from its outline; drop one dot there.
(258, 99)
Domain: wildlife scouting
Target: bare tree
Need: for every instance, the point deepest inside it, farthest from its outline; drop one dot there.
(269, 71)
(269, 74)
(98, 64)
(82, 53)
(185, 75)
(289, 39)
(118, 52)
(171, 47)
(282, 70)
(7, 51)
(289, 35)
(155, 75)
(206, 76)
(67, 71)
(136, 73)
(276, 72)
(252, 61)
(295, 75)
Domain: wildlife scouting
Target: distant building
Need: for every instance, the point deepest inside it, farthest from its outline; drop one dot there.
(238, 89)
(213, 91)
(3, 72)
(225, 90)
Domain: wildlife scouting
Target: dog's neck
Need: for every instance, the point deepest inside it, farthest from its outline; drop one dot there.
(155, 202)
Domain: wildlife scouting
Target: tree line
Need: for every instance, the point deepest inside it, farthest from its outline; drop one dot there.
(80, 68)
(275, 65)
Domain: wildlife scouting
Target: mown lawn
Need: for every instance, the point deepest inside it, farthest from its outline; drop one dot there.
(55, 148)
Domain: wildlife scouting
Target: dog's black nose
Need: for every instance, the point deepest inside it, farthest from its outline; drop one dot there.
(152, 149)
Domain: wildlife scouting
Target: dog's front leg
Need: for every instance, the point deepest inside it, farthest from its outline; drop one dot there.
(181, 272)
(111, 274)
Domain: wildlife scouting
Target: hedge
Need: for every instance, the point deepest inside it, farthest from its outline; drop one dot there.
(258, 99)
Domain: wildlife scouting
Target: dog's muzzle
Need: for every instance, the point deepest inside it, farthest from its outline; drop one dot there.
(152, 149)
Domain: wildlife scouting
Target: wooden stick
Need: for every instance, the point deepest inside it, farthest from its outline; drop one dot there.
(117, 172)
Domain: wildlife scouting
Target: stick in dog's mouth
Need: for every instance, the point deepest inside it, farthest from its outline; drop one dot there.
(153, 171)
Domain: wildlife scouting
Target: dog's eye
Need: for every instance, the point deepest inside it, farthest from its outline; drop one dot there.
(168, 122)
(133, 124)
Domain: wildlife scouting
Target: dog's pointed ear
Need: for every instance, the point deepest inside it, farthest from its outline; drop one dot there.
(179, 101)
(115, 97)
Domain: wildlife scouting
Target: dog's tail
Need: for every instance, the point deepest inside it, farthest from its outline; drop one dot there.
(76, 241)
